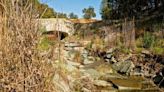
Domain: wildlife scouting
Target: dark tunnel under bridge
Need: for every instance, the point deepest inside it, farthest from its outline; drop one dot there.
(55, 35)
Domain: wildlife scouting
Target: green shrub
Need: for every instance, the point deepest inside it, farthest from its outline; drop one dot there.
(138, 50)
(139, 42)
(159, 42)
(45, 44)
(148, 40)
(125, 50)
(158, 50)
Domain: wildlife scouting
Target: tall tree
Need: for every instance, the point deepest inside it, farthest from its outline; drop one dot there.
(105, 9)
(45, 11)
(73, 16)
(89, 13)
(62, 15)
(139, 9)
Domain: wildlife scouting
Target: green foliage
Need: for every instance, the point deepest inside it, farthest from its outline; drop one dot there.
(89, 45)
(62, 15)
(42, 29)
(125, 50)
(158, 47)
(140, 9)
(138, 50)
(139, 42)
(158, 50)
(159, 42)
(49, 13)
(43, 10)
(44, 44)
(89, 12)
(73, 16)
(148, 40)
(105, 9)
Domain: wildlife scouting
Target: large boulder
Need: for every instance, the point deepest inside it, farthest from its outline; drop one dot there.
(89, 60)
(159, 78)
(102, 83)
(92, 72)
(146, 52)
(124, 67)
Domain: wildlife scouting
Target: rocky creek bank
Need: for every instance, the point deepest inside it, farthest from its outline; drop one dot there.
(111, 70)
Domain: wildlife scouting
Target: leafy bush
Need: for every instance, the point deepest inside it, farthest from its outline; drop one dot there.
(22, 67)
(138, 50)
(158, 50)
(45, 44)
(148, 40)
(159, 42)
(139, 42)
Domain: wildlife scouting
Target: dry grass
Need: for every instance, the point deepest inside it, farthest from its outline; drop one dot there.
(21, 66)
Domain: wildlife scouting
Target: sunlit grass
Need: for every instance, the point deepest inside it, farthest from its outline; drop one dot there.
(45, 44)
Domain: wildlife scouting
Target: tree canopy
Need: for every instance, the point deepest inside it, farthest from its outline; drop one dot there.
(73, 16)
(43, 9)
(89, 13)
(105, 9)
(139, 9)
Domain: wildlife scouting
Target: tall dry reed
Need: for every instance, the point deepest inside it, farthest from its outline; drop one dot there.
(21, 66)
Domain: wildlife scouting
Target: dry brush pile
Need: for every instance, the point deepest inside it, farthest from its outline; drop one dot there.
(21, 66)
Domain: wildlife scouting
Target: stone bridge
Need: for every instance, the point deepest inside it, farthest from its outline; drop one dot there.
(54, 24)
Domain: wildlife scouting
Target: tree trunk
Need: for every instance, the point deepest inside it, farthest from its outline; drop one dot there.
(133, 45)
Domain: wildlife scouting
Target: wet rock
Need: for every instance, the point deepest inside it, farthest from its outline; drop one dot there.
(73, 63)
(111, 90)
(105, 69)
(137, 71)
(107, 60)
(85, 90)
(71, 55)
(107, 77)
(146, 55)
(113, 60)
(110, 59)
(159, 59)
(146, 52)
(102, 83)
(147, 84)
(72, 44)
(68, 48)
(108, 56)
(101, 54)
(81, 66)
(93, 73)
(70, 67)
(130, 83)
(162, 71)
(159, 80)
(89, 60)
(85, 53)
(124, 67)
(61, 84)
